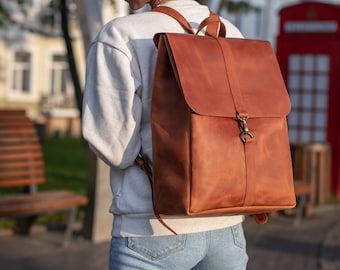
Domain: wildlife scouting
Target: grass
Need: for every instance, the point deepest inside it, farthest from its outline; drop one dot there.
(65, 164)
(65, 168)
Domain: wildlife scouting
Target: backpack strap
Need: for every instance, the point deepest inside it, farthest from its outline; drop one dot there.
(215, 27)
(176, 15)
(143, 163)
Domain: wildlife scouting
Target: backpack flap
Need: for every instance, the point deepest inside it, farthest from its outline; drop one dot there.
(207, 75)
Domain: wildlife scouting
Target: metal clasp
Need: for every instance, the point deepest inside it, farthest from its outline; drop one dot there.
(244, 128)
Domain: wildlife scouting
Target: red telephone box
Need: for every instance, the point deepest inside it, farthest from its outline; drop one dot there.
(308, 50)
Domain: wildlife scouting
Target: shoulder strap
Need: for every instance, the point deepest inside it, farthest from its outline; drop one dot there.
(176, 15)
(214, 25)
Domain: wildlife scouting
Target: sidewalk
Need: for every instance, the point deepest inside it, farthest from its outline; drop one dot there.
(278, 245)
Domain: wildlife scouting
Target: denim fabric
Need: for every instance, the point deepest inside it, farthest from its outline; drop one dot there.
(213, 250)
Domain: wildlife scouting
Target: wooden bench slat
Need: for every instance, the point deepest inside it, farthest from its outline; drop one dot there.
(14, 124)
(36, 197)
(10, 113)
(23, 154)
(16, 132)
(26, 173)
(19, 127)
(20, 141)
(20, 164)
(20, 198)
(21, 182)
(6, 136)
(20, 156)
(19, 147)
(40, 202)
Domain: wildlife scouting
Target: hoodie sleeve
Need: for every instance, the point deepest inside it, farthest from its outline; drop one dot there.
(111, 108)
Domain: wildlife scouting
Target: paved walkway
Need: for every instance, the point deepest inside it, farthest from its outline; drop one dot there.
(315, 244)
(278, 245)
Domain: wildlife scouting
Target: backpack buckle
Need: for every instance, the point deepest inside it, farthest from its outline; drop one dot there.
(244, 128)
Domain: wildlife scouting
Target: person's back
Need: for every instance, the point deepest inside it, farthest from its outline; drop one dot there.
(116, 123)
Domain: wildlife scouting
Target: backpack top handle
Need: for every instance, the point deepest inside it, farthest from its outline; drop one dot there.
(215, 27)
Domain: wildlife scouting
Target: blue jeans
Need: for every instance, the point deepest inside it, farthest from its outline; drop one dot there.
(213, 250)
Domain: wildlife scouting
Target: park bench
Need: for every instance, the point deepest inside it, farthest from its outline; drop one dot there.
(22, 169)
(311, 168)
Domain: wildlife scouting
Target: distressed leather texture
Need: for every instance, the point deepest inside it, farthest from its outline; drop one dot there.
(202, 86)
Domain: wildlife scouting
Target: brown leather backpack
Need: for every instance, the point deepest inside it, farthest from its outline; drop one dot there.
(219, 131)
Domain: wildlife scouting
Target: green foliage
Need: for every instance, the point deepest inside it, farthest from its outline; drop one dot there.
(242, 6)
(65, 164)
(4, 15)
(333, 199)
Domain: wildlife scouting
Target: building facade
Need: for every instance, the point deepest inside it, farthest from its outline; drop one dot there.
(34, 69)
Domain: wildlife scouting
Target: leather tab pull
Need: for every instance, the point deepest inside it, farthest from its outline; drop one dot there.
(261, 218)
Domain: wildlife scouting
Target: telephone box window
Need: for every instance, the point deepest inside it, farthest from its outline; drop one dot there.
(308, 85)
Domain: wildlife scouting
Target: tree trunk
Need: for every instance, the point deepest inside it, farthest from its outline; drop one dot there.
(72, 64)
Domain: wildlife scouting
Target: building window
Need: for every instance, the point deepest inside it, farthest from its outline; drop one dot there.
(60, 74)
(61, 91)
(308, 84)
(21, 72)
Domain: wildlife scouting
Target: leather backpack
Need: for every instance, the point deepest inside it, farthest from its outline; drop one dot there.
(219, 130)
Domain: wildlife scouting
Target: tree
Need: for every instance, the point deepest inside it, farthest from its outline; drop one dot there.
(5, 16)
(70, 55)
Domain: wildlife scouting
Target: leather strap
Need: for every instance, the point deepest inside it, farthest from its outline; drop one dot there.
(176, 15)
(143, 163)
(233, 81)
(215, 27)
